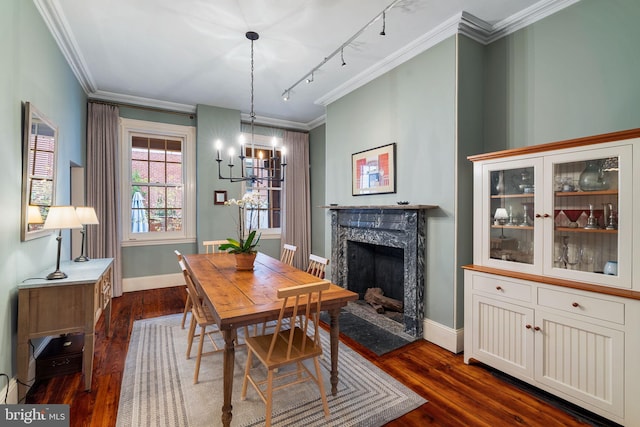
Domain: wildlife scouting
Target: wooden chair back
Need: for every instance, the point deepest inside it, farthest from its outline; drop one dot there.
(212, 246)
(288, 252)
(196, 298)
(306, 308)
(317, 265)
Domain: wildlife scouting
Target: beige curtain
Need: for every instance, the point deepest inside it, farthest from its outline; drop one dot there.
(102, 186)
(296, 224)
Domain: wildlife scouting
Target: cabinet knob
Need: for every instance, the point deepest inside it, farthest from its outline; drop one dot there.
(527, 326)
(538, 216)
(498, 288)
(537, 328)
(575, 304)
(546, 215)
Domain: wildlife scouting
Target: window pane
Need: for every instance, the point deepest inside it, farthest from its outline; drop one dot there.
(174, 197)
(157, 172)
(174, 173)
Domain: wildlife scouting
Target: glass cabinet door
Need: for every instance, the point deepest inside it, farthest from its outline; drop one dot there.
(587, 226)
(512, 206)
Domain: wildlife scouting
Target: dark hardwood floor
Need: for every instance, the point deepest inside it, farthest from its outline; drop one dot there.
(457, 394)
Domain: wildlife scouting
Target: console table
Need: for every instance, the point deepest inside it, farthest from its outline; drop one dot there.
(54, 307)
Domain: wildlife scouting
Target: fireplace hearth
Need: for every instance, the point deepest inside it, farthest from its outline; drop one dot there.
(382, 246)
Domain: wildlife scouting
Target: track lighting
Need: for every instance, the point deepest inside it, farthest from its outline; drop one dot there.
(308, 77)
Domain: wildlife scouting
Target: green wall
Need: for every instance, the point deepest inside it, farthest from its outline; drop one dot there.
(34, 70)
(414, 106)
(317, 177)
(573, 74)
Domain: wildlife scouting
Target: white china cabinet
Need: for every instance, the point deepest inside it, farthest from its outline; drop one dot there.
(553, 296)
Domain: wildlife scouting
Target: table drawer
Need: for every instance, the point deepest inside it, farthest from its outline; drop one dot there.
(584, 305)
(497, 286)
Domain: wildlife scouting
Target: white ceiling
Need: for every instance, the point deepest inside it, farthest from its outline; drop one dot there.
(175, 54)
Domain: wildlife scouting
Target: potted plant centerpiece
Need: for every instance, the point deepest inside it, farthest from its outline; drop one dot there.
(244, 248)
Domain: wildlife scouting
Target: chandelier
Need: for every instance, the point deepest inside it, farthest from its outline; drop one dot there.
(257, 167)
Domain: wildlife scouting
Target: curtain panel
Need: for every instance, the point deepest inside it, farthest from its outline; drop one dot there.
(296, 224)
(103, 187)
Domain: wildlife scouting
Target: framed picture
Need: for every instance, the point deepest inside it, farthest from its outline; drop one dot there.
(374, 171)
(219, 197)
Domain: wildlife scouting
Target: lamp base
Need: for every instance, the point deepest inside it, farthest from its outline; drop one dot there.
(56, 275)
(81, 258)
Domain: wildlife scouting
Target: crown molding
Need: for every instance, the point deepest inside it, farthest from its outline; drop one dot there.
(528, 16)
(421, 44)
(278, 123)
(462, 23)
(119, 98)
(59, 28)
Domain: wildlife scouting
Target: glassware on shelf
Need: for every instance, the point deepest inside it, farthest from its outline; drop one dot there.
(610, 222)
(563, 259)
(592, 221)
(526, 221)
(512, 221)
(592, 177)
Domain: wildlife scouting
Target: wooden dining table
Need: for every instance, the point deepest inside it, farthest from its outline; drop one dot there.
(241, 298)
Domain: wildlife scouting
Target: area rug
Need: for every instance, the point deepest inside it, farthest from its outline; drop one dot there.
(158, 390)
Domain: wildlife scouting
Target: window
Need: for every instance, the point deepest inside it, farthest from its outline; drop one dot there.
(158, 182)
(260, 162)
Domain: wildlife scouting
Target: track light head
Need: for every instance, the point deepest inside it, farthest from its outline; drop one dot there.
(285, 95)
(384, 24)
(310, 78)
(342, 57)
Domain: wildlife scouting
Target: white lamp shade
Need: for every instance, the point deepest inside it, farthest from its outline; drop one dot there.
(501, 213)
(62, 217)
(33, 215)
(86, 215)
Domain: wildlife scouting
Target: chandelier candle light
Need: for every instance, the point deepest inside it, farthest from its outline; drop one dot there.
(258, 172)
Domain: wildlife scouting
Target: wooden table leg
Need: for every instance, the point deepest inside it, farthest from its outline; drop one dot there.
(334, 334)
(230, 336)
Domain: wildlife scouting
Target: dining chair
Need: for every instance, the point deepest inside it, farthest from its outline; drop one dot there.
(288, 252)
(202, 317)
(289, 346)
(212, 246)
(187, 301)
(317, 265)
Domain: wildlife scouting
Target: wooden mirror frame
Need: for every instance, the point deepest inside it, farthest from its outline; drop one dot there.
(39, 161)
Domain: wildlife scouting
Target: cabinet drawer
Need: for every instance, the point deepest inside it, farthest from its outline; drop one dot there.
(499, 287)
(597, 308)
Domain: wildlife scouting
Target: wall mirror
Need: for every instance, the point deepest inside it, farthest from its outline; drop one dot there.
(39, 157)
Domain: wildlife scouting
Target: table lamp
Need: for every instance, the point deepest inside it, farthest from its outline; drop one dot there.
(60, 217)
(86, 215)
(33, 215)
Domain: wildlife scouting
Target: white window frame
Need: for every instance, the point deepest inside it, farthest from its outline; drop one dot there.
(187, 134)
(266, 143)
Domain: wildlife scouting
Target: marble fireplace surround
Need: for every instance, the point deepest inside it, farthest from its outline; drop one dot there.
(398, 226)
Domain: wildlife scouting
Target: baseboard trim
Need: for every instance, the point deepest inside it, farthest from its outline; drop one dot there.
(152, 282)
(447, 338)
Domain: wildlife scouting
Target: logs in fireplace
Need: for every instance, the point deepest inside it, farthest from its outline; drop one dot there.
(376, 299)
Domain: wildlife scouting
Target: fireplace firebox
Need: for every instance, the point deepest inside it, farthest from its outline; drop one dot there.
(385, 241)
